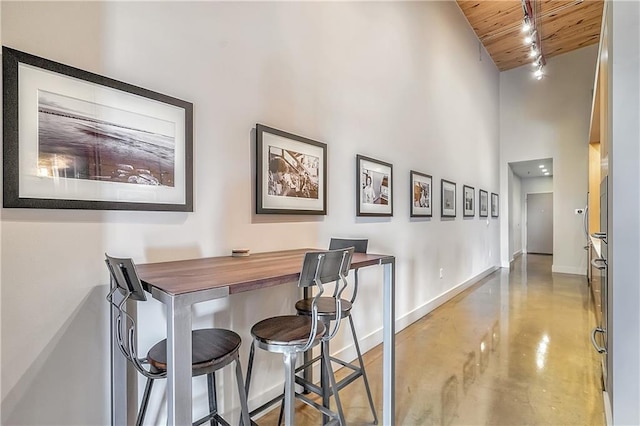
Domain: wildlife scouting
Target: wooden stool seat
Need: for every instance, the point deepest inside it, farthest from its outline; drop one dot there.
(212, 348)
(287, 330)
(326, 307)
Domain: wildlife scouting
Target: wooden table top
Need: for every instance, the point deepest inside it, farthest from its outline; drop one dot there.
(238, 273)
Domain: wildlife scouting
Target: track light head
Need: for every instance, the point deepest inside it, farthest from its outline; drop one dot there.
(538, 74)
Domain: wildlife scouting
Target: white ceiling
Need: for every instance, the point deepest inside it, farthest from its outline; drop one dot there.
(531, 169)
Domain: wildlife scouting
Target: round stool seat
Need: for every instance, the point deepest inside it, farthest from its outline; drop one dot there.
(286, 330)
(211, 347)
(326, 307)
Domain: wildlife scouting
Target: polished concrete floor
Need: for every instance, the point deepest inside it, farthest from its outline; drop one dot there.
(512, 350)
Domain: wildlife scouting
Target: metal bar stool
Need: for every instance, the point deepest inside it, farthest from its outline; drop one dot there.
(213, 348)
(327, 312)
(294, 334)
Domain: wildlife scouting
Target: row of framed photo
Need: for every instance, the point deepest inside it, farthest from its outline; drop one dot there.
(85, 141)
(291, 173)
(375, 183)
(422, 195)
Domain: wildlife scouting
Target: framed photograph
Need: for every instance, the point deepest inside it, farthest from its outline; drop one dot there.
(448, 198)
(421, 194)
(374, 187)
(469, 201)
(495, 205)
(291, 173)
(78, 140)
(484, 203)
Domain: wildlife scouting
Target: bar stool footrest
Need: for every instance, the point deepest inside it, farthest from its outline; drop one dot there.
(324, 410)
(211, 416)
(266, 405)
(308, 386)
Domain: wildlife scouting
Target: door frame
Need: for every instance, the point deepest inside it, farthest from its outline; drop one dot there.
(525, 228)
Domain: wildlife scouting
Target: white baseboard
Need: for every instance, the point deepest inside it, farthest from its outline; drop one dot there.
(568, 270)
(413, 316)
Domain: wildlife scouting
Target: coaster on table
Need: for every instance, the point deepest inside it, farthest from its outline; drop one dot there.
(239, 252)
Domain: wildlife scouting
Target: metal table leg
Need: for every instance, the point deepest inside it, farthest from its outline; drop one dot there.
(178, 361)
(179, 349)
(388, 340)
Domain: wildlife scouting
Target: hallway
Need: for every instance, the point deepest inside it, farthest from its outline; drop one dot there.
(513, 349)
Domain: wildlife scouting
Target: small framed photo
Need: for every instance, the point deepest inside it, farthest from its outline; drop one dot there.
(469, 201)
(78, 140)
(448, 198)
(291, 173)
(374, 192)
(495, 205)
(484, 203)
(421, 194)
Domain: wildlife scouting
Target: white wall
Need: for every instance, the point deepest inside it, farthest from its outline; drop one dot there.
(550, 118)
(402, 82)
(536, 185)
(515, 214)
(623, 22)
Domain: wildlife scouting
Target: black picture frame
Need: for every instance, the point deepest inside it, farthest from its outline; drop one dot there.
(291, 173)
(495, 205)
(447, 198)
(86, 141)
(483, 209)
(421, 194)
(468, 201)
(374, 187)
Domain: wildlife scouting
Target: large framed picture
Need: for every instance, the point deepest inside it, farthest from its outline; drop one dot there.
(421, 194)
(495, 204)
(291, 173)
(484, 203)
(374, 192)
(78, 140)
(469, 201)
(448, 198)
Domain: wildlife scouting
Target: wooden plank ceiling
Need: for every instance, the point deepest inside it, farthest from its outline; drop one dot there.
(563, 26)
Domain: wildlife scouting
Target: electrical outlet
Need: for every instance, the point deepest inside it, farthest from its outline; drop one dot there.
(441, 272)
(579, 211)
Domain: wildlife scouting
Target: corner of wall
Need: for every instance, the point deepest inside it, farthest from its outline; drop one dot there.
(0, 232)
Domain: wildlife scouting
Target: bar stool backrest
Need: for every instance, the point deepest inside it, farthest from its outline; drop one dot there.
(360, 246)
(320, 267)
(124, 275)
(125, 280)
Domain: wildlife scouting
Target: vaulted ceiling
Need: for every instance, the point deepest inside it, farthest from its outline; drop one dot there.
(563, 26)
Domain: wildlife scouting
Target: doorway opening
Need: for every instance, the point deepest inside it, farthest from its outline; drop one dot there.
(530, 186)
(539, 223)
